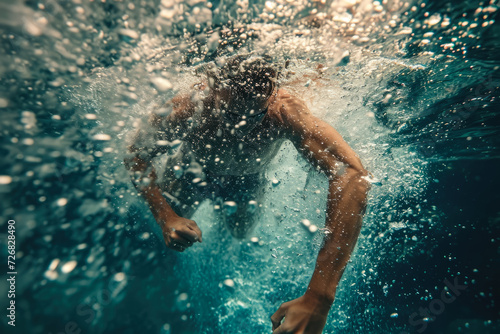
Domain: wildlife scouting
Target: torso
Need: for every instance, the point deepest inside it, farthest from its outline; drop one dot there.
(221, 153)
(217, 150)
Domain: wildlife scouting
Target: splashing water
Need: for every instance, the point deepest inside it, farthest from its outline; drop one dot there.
(408, 84)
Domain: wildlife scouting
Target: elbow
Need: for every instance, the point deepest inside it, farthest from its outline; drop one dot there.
(355, 173)
(354, 176)
(359, 176)
(361, 172)
(335, 170)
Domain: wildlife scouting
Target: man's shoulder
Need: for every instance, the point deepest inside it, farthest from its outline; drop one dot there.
(286, 104)
(284, 95)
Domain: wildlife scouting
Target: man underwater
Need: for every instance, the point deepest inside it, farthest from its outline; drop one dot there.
(229, 135)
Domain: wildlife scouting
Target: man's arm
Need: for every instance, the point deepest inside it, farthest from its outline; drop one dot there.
(149, 141)
(325, 149)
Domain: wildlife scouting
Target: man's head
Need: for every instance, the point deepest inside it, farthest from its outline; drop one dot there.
(242, 89)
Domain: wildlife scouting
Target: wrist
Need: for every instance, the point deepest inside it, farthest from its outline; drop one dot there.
(164, 216)
(325, 299)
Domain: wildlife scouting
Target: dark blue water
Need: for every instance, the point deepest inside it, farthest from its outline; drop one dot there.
(413, 87)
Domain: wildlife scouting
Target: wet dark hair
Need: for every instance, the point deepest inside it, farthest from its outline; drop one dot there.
(246, 76)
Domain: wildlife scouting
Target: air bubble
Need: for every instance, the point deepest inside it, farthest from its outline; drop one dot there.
(4, 103)
(230, 207)
(119, 277)
(68, 267)
(229, 283)
(53, 264)
(101, 137)
(252, 206)
(178, 171)
(62, 201)
(129, 33)
(161, 84)
(51, 275)
(165, 329)
(5, 179)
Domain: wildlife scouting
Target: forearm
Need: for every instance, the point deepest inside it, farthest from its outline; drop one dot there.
(345, 207)
(144, 178)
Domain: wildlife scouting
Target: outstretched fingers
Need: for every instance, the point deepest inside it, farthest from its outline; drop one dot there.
(277, 317)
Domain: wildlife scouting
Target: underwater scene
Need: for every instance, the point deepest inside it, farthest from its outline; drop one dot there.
(412, 87)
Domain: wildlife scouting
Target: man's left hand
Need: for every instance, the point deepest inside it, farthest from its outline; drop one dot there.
(304, 315)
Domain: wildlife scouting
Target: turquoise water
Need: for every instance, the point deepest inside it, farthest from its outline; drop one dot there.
(412, 86)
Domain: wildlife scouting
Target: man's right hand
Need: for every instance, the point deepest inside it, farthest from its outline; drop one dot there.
(180, 233)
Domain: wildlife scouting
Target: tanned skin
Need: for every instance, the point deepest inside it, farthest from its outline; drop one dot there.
(287, 118)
